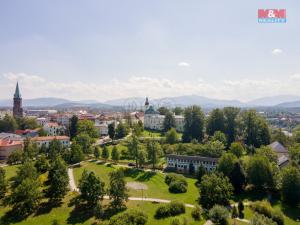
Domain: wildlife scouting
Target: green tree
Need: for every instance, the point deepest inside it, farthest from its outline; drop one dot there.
(234, 213)
(267, 152)
(178, 110)
(231, 124)
(200, 173)
(42, 133)
(193, 124)
(215, 189)
(237, 149)
(26, 170)
(226, 163)
(85, 141)
(294, 153)
(25, 197)
(117, 191)
(111, 130)
(134, 148)
(8, 124)
(241, 208)
(172, 136)
(73, 126)
(105, 153)
(154, 152)
(129, 217)
(30, 149)
(3, 183)
(163, 110)
(26, 123)
(256, 129)
(121, 131)
(219, 136)
(215, 122)
(142, 157)
(15, 157)
(237, 177)
(169, 122)
(55, 149)
(259, 172)
(77, 154)
(58, 180)
(291, 185)
(259, 219)
(97, 152)
(115, 155)
(91, 188)
(87, 127)
(42, 164)
(219, 215)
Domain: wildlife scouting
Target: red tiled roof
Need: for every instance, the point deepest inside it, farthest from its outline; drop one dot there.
(5, 143)
(50, 138)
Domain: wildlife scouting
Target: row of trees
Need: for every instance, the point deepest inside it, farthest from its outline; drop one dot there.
(11, 124)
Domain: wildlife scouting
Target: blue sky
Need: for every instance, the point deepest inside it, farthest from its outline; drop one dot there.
(110, 49)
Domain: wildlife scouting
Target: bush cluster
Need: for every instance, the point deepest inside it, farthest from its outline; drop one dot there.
(171, 209)
(177, 183)
(264, 208)
(131, 216)
(196, 213)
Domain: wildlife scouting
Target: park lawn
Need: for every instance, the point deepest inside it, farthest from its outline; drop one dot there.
(65, 214)
(157, 188)
(147, 133)
(149, 208)
(10, 171)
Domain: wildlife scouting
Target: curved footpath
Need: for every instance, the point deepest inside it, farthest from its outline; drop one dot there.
(73, 187)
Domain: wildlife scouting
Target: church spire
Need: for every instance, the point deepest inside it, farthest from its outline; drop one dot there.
(17, 91)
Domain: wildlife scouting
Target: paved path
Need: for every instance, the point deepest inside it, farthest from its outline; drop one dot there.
(208, 222)
(73, 187)
(72, 184)
(243, 220)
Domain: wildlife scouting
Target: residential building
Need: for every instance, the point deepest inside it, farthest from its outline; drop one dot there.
(40, 141)
(279, 149)
(53, 129)
(7, 146)
(184, 163)
(42, 121)
(102, 128)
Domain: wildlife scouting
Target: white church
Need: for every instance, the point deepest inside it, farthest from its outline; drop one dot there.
(154, 121)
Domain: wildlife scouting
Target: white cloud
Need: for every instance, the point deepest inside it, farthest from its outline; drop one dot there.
(276, 51)
(184, 64)
(33, 86)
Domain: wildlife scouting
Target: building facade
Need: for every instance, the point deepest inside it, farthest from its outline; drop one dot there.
(7, 146)
(53, 129)
(17, 107)
(185, 164)
(154, 121)
(40, 141)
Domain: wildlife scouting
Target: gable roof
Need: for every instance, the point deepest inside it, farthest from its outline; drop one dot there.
(278, 148)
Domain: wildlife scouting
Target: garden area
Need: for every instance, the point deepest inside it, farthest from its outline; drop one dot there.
(155, 182)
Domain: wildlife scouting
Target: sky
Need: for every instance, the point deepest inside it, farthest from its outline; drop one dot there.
(101, 50)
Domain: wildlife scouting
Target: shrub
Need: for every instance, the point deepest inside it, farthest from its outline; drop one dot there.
(218, 215)
(177, 183)
(234, 213)
(259, 219)
(171, 209)
(130, 217)
(196, 213)
(264, 208)
(177, 187)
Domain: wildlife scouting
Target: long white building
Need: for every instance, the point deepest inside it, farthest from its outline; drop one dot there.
(182, 163)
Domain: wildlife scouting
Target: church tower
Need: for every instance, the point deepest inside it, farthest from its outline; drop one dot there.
(17, 109)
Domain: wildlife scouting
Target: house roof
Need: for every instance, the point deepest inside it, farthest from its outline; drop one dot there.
(278, 148)
(187, 157)
(7, 143)
(282, 160)
(50, 138)
(17, 92)
(151, 110)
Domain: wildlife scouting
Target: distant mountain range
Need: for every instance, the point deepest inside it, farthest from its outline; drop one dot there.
(285, 101)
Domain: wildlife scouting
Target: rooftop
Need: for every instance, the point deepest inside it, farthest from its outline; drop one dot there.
(50, 138)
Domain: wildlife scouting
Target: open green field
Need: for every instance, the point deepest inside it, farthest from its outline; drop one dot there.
(10, 171)
(147, 133)
(67, 214)
(157, 188)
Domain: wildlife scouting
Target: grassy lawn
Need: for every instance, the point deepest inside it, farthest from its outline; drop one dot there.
(66, 214)
(157, 188)
(10, 171)
(147, 133)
